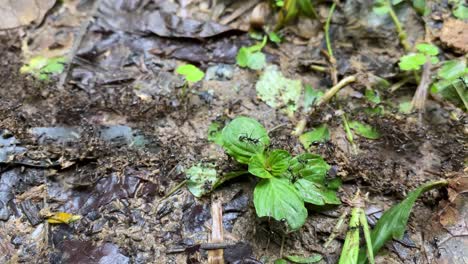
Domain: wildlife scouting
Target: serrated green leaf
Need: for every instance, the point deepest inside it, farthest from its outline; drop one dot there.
(427, 49)
(412, 62)
(190, 72)
(318, 134)
(278, 91)
(305, 260)
(452, 69)
(277, 198)
(243, 138)
(201, 179)
(271, 164)
(309, 166)
(372, 96)
(214, 133)
(364, 130)
(316, 193)
(393, 222)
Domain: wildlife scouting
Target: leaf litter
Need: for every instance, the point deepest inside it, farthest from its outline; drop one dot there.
(123, 84)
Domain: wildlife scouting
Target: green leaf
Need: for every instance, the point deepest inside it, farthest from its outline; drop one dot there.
(318, 134)
(252, 57)
(364, 130)
(381, 10)
(309, 166)
(372, 96)
(242, 57)
(191, 73)
(273, 164)
(405, 107)
(278, 91)
(350, 251)
(304, 260)
(427, 49)
(311, 96)
(412, 62)
(201, 179)
(214, 133)
(41, 67)
(316, 193)
(256, 61)
(306, 7)
(393, 222)
(274, 37)
(277, 198)
(280, 261)
(420, 7)
(461, 11)
(452, 69)
(243, 138)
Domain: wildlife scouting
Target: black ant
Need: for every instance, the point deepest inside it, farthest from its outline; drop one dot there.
(248, 139)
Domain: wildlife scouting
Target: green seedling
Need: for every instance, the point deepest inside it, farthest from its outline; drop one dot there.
(42, 67)
(191, 73)
(393, 222)
(252, 57)
(286, 182)
(459, 9)
(290, 9)
(414, 61)
(451, 82)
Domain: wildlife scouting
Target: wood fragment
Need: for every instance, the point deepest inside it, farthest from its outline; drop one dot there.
(216, 256)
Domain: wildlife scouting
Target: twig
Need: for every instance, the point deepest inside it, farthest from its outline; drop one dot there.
(349, 134)
(238, 12)
(76, 45)
(216, 256)
(401, 32)
(419, 99)
(332, 91)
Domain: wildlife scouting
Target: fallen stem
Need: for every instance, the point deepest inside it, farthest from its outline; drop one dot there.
(332, 91)
(420, 96)
(401, 32)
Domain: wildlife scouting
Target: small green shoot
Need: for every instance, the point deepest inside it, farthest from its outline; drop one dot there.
(393, 222)
(372, 96)
(191, 73)
(42, 67)
(451, 82)
(273, 37)
(252, 57)
(415, 61)
(286, 182)
(384, 7)
(350, 251)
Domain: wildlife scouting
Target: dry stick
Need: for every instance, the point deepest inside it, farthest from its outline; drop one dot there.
(216, 256)
(238, 12)
(419, 99)
(332, 91)
(76, 45)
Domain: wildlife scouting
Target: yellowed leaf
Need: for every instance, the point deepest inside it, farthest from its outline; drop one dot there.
(62, 218)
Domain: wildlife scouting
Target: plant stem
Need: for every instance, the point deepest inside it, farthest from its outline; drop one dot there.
(401, 32)
(337, 228)
(332, 91)
(367, 236)
(420, 96)
(349, 134)
(327, 30)
(460, 93)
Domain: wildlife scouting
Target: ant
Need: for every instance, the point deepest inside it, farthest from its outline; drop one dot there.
(248, 139)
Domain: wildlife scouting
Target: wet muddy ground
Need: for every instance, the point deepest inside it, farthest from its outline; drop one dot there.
(114, 140)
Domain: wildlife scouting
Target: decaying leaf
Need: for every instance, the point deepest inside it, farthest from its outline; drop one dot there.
(62, 218)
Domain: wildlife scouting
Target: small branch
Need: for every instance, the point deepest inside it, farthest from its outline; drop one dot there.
(332, 91)
(401, 32)
(420, 97)
(216, 256)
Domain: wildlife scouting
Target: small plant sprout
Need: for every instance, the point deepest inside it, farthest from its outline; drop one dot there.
(384, 7)
(42, 67)
(252, 57)
(285, 182)
(191, 73)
